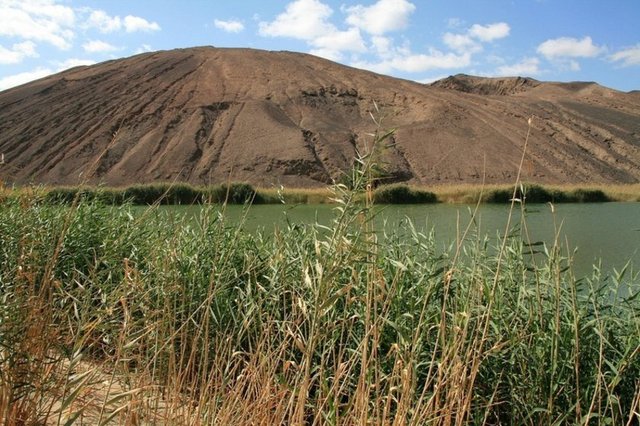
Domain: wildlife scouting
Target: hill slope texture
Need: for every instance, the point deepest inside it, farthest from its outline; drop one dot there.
(207, 115)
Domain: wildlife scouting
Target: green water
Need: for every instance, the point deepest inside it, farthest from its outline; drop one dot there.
(605, 232)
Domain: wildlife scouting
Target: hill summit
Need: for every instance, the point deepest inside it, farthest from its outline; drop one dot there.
(209, 115)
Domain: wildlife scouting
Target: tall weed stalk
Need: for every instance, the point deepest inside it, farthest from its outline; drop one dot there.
(111, 316)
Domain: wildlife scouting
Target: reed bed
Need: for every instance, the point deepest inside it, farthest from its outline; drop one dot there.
(494, 193)
(397, 193)
(111, 317)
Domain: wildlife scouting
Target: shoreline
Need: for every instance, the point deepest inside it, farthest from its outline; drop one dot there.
(239, 193)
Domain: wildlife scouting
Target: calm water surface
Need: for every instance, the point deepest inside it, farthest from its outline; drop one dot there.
(603, 232)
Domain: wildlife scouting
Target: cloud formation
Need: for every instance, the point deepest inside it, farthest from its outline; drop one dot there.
(302, 19)
(471, 41)
(18, 52)
(23, 77)
(55, 23)
(367, 33)
(98, 46)
(73, 62)
(308, 20)
(568, 47)
(381, 17)
(461, 43)
(332, 45)
(231, 26)
(40, 72)
(105, 23)
(38, 20)
(526, 67)
(144, 49)
(135, 23)
(627, 57)
(33, 24)
(490, 32)
(417, 62)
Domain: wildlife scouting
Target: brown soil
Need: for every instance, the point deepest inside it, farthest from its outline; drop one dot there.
(207, 115)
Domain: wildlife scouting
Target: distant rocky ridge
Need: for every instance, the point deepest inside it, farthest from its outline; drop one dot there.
(208, 115)
(487, 86)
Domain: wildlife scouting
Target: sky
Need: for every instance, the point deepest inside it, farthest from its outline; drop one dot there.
(421, 40)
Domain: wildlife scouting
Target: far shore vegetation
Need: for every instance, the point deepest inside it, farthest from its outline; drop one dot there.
(397, 193)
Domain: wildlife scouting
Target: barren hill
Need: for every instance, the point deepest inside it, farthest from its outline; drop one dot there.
(207, 115)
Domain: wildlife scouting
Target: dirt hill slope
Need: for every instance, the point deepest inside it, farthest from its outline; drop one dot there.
(207, 115)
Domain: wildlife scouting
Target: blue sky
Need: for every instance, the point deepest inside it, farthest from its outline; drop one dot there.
(422, 40)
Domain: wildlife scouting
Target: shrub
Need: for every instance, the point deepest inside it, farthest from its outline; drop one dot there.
(240, 193)
(61, 195)
(589, 196)
(234, 193)
(498, 196)
(402, 194)
(539, 194)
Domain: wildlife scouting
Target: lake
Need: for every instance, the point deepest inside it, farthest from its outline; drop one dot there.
(606, 232)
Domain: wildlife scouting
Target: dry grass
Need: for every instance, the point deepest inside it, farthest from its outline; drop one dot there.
(113, 318)
(296, 195)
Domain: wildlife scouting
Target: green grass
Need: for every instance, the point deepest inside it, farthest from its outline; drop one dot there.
(402, 194)
(302, 324)
(536, 193)
(295, 195)
(107, 315)
(240, 193)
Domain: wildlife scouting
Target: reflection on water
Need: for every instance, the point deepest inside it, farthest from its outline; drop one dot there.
(606, 232)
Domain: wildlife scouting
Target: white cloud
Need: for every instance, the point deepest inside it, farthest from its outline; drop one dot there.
(63, 15)
(231, 26)
(23, 77)
(526, 67)
(103, 22)
(417, 62)
(627, 57)
(434, 60)
(302, 19)
(430, 80)
(135, 23)
(471, 41)
(383, 46)
(144, 48)
(567, 47)
(461, 43)
(308, 20)
(382, 17)
(73, 62)
(98, 46)
(40, 72)
(330, 54)
(381, 67)
(490, 32)
(18, 52)
(39, 20)
(107, 24)
(349, 40)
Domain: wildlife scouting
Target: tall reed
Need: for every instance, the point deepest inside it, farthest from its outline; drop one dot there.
(115, 317)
